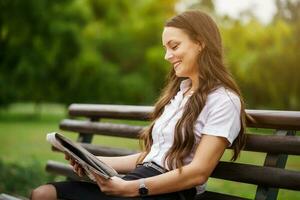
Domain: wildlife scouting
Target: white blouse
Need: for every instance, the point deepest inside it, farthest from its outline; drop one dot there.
(219, 117)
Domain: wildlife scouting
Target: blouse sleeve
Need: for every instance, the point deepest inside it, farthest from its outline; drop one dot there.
(223, 118)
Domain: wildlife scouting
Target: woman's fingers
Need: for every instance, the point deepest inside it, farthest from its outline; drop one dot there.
(98, 179)
(80, 171)
(72, 162)
(76, 167)
(70, 159)
(67, 157)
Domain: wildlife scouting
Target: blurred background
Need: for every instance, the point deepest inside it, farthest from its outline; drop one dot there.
(57, 52)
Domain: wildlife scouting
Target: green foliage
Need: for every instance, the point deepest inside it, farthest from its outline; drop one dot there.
(102, 51)
(264, 60)
(79, 51)
(21, 179)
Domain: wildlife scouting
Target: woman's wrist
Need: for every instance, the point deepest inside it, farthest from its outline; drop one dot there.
(132, 189)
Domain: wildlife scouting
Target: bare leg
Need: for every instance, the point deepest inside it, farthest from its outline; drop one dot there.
(44, 192)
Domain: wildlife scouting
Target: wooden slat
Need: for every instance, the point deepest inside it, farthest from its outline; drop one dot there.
(100, 150)
(87, 138)
(273, 144)
(207, 195)
(263, 118)
(64, 170)
(266, 176)
(107, 151)
(261, 143)
(111, 111)
(275, 119)
(88, 127)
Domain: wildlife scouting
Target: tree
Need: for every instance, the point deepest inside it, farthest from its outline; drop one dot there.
(80, 51)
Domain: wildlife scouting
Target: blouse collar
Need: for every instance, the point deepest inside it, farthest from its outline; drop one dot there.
(185, 85)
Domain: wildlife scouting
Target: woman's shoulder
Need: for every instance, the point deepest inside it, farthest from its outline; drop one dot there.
(222, 95)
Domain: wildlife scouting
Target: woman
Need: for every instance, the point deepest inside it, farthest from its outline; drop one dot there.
(198, 115)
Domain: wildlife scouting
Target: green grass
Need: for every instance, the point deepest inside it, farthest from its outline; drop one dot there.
(22, 140)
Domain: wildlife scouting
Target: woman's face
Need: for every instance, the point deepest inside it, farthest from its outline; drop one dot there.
(181, 52)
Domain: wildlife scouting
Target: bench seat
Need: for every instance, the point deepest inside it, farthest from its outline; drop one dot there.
(86, 120)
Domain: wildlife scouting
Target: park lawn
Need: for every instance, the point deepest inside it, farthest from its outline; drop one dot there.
(22, 140)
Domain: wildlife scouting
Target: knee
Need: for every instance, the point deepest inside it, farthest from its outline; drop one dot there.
(45, 192)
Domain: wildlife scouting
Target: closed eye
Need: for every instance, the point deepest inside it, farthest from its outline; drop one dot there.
(175, 47)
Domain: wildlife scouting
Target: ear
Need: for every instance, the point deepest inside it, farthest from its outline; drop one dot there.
(200, 43)
(201, 46)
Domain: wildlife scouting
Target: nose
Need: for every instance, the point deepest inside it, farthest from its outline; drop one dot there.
(168, 56)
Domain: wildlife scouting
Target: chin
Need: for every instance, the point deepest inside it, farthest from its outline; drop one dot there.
(180, 74)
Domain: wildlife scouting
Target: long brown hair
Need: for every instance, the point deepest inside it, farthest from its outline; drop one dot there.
(212, 74)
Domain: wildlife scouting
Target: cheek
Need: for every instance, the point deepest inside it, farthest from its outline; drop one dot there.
(191, 58)
(191, 62)
(190, 54)
(179, 54)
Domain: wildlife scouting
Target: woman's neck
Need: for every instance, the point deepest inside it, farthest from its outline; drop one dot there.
(194, 84)
(193, 87)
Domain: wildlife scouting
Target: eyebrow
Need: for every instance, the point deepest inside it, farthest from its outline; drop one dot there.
(168, 43)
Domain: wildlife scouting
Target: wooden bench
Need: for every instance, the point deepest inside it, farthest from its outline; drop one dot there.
(269, 178)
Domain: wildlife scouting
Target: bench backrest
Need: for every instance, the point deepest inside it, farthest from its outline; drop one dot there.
(268, 178)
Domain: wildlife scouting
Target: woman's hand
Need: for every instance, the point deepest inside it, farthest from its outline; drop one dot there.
(76, 167)
(116, 186)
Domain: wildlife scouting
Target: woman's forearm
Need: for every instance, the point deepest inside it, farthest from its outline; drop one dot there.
(122, 164)
(174, 181)
(207, 156)
(171, 181)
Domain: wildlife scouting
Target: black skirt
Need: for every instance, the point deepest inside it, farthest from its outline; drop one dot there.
(80, 190)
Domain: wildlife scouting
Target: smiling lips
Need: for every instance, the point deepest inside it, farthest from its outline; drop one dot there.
(176, 64)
